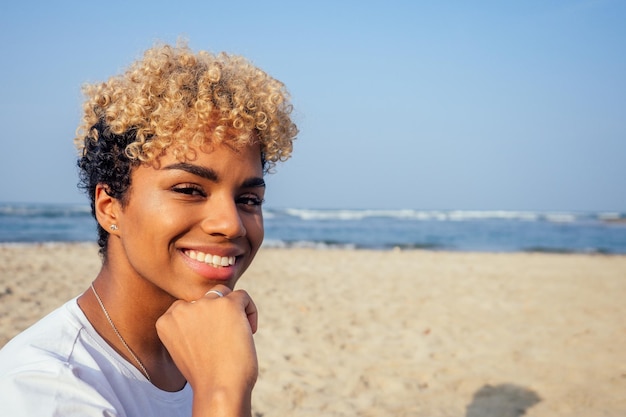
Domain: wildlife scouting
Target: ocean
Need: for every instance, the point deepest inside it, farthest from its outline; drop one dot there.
(455, 230)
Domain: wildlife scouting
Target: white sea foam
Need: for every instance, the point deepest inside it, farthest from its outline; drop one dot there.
(430, 215)
(608, 216)
(306, 244)
(457, 215)
(268, 214)
(560, 217)
(43, 210)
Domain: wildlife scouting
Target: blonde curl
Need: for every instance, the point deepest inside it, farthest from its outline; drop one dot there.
(174, 99)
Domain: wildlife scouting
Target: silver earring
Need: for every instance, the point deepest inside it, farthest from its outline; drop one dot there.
(113, 227)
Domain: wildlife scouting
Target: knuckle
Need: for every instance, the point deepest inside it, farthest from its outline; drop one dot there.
(161, 323)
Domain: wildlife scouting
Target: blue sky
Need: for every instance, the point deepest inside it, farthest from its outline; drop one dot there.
(401, 104)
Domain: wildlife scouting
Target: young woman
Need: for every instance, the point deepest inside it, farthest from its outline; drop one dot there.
(173, 154)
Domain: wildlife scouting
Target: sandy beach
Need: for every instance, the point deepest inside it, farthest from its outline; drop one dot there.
(406, 333)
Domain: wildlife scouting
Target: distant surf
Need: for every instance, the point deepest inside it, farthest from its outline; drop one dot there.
(457, 230)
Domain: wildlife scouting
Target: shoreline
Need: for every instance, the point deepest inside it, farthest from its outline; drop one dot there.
(349, 247)
(403, 333)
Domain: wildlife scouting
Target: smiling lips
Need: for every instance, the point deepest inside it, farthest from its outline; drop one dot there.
(215, 261)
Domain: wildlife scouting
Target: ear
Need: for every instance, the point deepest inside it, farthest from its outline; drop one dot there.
(107, 208)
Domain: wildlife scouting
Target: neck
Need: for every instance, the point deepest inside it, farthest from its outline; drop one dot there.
(133, 307)
(118, 334)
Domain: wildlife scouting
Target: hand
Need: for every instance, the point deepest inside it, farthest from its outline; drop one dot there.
(211, 342)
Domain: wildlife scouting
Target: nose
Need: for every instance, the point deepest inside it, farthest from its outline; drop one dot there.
(222, 218)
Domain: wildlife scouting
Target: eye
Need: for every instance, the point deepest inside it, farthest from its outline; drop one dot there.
(250, 200)
(189, 189)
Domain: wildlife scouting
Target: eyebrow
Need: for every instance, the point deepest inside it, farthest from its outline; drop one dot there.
(211, 175)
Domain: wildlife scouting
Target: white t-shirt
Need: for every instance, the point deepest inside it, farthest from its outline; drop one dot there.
(62, 367)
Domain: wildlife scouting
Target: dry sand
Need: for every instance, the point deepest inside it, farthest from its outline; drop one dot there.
(416, 333)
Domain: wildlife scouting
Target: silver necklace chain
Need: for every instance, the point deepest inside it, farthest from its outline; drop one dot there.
(106, 313)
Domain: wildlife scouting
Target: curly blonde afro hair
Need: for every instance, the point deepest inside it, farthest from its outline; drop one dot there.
(173, 98)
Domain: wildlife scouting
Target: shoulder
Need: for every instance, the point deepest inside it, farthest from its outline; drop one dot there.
(50, 389)
(38, 373)
(51, 337)
(60, 366)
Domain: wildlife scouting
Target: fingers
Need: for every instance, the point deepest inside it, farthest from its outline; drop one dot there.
(241, 297)
(253, 314)
(218, 291)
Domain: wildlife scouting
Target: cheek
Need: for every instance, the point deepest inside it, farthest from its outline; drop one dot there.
(152, 218)
(255, 229)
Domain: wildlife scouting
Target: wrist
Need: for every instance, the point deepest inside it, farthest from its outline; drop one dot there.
(222, 403)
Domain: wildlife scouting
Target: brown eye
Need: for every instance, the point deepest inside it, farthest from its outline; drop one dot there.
(250, 201)
(189, 189)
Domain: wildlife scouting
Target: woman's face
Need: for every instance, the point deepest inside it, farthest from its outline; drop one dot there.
(189, 225)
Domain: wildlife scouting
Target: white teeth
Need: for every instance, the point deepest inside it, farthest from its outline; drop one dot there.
(213, 260)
